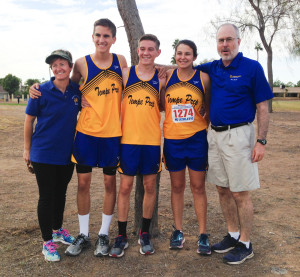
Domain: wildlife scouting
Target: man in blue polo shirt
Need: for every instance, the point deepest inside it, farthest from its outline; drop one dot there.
(239, 89)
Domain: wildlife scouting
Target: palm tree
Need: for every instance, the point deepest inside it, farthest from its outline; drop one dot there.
(258, 48)
(173, 61)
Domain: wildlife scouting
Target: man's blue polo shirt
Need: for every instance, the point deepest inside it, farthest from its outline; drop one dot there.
(235, 90)
(56, 114)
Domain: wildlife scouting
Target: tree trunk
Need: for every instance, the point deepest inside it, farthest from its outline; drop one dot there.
(270, 76)
(134, 30)
(133, 26)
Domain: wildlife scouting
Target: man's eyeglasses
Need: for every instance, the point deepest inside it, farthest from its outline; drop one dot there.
(228, 40)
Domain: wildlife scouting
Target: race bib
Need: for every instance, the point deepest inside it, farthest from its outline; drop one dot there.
(183, 113)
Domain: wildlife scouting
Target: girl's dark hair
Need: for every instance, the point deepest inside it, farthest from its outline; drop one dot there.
(190, 44)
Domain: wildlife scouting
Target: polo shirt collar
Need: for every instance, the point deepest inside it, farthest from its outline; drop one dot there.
(234, 63)
(52, 86)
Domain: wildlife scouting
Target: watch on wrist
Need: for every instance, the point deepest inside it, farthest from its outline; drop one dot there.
(262, 141)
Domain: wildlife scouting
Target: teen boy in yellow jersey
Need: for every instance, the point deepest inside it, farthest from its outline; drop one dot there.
(97, 139)
(140, 143)
(98, 133)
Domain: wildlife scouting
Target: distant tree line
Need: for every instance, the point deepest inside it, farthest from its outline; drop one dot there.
(13, 85)
(279, 83)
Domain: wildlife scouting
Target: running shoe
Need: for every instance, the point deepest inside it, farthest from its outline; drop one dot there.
(118, 248)
(81, 242)
(177, 239)
(225, 245)
(146, 244)
(62, 235)
(203, 245)
(102, 245)
(49, 251)
(238, 254)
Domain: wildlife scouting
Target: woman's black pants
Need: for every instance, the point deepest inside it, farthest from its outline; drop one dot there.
(52, 181)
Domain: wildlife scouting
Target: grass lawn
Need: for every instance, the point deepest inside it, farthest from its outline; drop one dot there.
(13, 104)
(286, 105)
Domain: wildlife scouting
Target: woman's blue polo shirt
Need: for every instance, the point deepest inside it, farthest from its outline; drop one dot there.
(235, 90)
(54, 132)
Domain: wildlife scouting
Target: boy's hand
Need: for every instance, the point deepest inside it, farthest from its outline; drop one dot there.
(33, 91)
(84, 102)
(162, 72)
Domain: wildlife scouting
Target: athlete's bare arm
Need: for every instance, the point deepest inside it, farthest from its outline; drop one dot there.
(163, 69)
(125, 73)
(206, 83)
(163, 91)
(168, 74)
(123, 62)
(162, 82)
(79, 70)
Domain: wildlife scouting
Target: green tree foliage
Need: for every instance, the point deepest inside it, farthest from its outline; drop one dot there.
(173, 61)
(29, 83)
(277, 83)
(295, 45)
(11, 84)
(290, 84)
(258, 48)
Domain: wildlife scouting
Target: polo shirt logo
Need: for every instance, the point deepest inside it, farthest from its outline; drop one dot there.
(234, 77)
(75, 99)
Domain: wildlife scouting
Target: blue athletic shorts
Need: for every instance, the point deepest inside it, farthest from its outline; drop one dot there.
(96, 152)
(139, 159)
(190, 152)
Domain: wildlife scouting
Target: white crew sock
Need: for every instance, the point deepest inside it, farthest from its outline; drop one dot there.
(84, 224)
(234, 235)
(247, 243)
(106, 220)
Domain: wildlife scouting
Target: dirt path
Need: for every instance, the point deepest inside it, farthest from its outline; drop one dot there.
(275, 238)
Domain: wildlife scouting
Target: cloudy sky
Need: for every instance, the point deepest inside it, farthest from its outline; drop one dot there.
(31, 29)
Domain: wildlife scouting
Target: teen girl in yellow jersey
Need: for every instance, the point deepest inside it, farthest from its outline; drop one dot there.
(185, 143)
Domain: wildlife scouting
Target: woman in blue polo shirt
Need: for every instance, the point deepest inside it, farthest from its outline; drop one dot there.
(48, 146)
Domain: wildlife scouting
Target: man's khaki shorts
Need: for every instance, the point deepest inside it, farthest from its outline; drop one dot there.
(229, 159)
